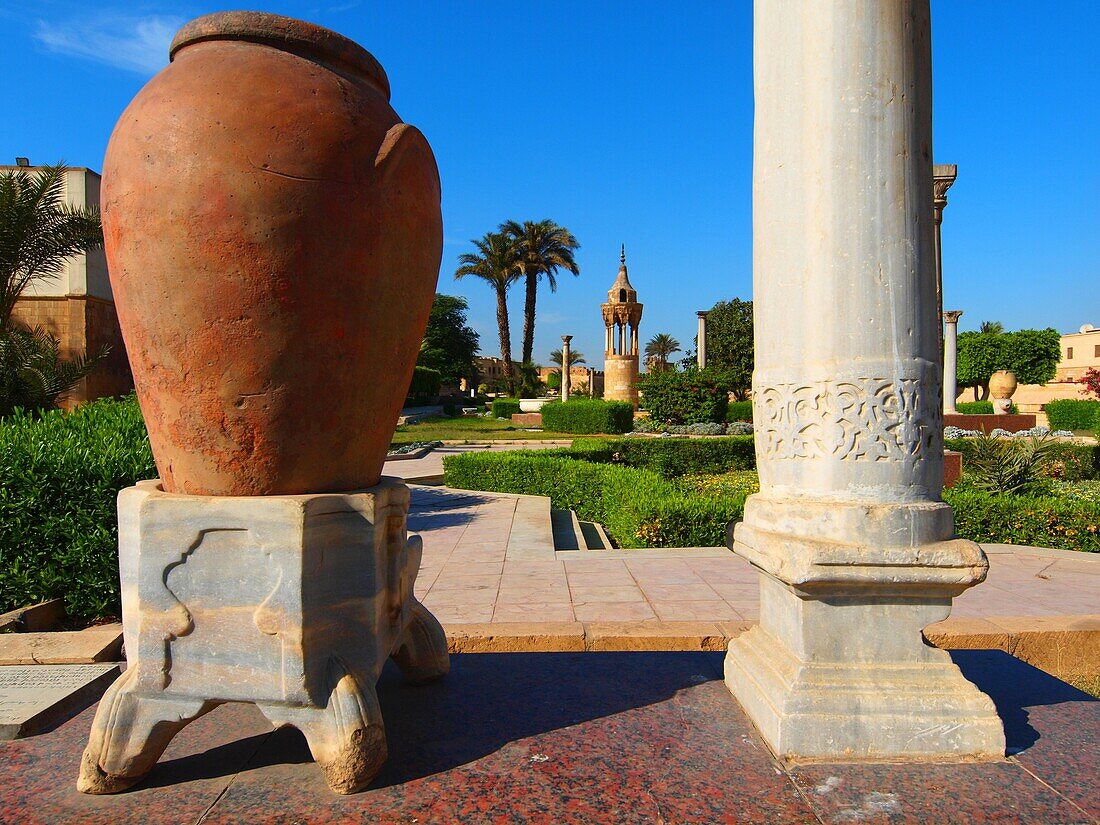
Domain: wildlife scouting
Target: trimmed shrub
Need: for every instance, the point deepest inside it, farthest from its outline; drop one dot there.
(671, 457)
(739, 411)
(683, 397)
(1073, 414)
(59, 477)
(589, 415)
(974, 407)
(1069, 462)
(505, 407)
(425, 382)
(1039, 521)
(637, 507)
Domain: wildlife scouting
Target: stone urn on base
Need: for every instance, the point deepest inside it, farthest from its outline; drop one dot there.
(273, 235)
(1002, 384)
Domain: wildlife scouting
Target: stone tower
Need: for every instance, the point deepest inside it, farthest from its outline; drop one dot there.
(621, 315)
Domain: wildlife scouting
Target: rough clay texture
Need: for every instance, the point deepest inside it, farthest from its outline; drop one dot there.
(855, 550)
(293, 603)
(273, 233)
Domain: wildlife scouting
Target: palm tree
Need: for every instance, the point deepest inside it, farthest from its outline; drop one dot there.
(575, 357)
(38, 232)
(996, 327)
(659, 348)
(495, 262)
(544, 248)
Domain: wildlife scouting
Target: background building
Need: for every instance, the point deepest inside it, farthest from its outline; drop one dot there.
(78, 306)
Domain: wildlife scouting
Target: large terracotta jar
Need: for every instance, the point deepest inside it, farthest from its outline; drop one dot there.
(1002, 384)
(273, 234)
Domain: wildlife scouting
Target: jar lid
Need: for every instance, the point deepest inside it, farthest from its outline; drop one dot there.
(296, 36)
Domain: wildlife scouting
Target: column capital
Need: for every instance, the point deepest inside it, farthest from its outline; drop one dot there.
(952, 316)
(943, 175)
(702, 313)
(565, 339)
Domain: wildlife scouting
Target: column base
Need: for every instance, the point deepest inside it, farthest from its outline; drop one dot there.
(293, 603)
(838, 668)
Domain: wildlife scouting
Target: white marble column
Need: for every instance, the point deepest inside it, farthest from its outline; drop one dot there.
(565, 377)
(855, 550)
(701, 340)
(950, 359)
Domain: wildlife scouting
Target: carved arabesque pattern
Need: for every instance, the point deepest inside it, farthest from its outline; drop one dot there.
(860, 419)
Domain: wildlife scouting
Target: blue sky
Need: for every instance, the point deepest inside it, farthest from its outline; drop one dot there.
(632, 123)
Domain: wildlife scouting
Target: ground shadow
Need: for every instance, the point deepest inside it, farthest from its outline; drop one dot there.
(1014, 686)
(435, 508)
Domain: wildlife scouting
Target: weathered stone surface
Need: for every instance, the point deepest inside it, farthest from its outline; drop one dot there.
(527, 419)
(291, 602)
(96, 644)
(952, 467)
(608, 636)
(855, 550)
(34, 698)
(35, 618)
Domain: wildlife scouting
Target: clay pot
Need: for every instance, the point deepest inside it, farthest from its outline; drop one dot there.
(273, 234)
(1002, 384)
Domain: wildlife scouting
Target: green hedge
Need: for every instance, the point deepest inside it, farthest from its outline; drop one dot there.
(1037, 521)
(1073, 414)
(683, 397)
(505, 407)
(671, 457)
(1071, 462)
(638, 507)
(974, 407)
(59, 476)
(585, 415)
(739, 411)
(425, 382)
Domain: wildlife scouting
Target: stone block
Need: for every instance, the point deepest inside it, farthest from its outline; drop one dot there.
(35, 618)
(96, 644)
(527, 419)
(291, 602)
(635, 636)
(516, 637)
(952, 467)
(989, 423)
(35, 698)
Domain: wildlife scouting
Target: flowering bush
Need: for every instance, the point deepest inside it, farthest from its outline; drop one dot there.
(1091, 380)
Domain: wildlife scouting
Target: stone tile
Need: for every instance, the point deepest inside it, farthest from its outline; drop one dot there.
(473, 568)
(613, 611)
(448, 580)
(592, 593)
(555, 611)
(469, 595)
(695, 611)
(679, 592)
(449, 614)
(516, 594)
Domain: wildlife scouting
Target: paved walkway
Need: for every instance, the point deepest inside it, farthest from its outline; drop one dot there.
(489, 557)
(430, 465)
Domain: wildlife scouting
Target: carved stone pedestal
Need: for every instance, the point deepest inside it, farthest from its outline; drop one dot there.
(291, 602)
(837, 668)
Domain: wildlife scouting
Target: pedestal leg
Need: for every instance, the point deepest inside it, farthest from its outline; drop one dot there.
(129, 734)
(347, 738)
(422, 655)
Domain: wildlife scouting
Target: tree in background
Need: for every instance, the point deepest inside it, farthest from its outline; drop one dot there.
(659, 349)
(449, 345)
(729, 346)
(1032, 354)
(1091, 381)
(495, 262)
(994, 327)
(38, 231)
(530, 382)
(543, 248)
(575, 357)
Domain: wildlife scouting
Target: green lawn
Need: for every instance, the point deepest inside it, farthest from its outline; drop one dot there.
(468, 428)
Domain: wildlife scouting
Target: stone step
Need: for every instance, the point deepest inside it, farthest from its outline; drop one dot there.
(595, 537)
(566, 529)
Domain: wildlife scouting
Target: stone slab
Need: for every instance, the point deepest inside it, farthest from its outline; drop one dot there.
(36, 697)
(656, 636)
(952, 467)
(989, 423)
(515, 637)
(96, 644)
(35, 618)
(527, 419)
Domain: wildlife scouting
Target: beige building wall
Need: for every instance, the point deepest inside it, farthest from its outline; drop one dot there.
(78, 306)
(1080, 352)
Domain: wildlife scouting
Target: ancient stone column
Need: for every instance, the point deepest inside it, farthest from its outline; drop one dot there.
(943, 175)
(855, 550)
(565, 377)
(950, 359)
(701, 348)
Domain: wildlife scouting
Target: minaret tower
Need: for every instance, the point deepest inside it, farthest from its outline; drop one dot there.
(621, 315)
